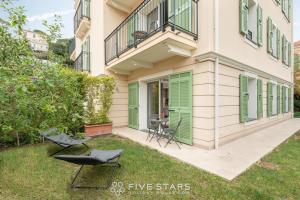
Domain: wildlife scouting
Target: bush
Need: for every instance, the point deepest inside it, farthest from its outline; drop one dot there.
(46, 97)
(99, 92)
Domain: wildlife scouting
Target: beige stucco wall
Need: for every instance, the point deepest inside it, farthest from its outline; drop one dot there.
(236, 46)
(230, 126)
(104, 19)
(203, 103)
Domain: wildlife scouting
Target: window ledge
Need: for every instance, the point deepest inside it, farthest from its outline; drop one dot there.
(251, 122)
(273, 57)
(273, 117)
(251, 43)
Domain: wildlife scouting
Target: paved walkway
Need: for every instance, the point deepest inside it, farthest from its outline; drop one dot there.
(229, 160)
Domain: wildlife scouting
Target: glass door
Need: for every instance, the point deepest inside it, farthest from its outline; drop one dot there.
(153, 101)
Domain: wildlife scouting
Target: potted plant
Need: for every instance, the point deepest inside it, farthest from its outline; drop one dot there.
(99, 92)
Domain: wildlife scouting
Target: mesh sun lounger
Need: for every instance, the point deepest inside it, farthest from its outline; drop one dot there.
(63, 140)
(96, 157)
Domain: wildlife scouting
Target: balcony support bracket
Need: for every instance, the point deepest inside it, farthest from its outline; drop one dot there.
(178, 50)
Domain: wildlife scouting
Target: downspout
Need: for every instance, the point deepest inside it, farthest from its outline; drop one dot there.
(216, 50)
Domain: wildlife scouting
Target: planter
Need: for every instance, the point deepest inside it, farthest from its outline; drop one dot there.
(98, 129)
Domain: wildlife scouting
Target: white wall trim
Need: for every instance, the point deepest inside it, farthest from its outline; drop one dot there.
(238, 65)
(156, 75)
(252, 75)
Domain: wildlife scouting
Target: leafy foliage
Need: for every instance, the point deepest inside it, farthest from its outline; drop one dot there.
(99, 92)
(33, 96)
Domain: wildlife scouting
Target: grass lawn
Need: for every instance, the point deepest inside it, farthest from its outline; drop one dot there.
(297, 114)
(29, 173)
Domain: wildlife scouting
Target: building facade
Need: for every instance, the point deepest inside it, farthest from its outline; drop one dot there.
(222, 68)
(36, 41)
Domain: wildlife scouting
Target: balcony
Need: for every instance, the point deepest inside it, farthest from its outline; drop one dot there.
(124, 6)
(154, 31)
(72, 51)
(82, 21)
(83, 62)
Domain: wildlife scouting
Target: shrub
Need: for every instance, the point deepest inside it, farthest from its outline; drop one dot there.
(99, 92)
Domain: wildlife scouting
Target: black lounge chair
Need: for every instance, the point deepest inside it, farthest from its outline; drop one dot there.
(96, 157)
(63, 140)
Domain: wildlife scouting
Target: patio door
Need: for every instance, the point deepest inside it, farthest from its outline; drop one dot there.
(180, 97)
(133, 105)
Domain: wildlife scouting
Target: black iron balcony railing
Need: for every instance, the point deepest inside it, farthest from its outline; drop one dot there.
(83, 62)
(83, 11)
(148, 18)
(72, 46)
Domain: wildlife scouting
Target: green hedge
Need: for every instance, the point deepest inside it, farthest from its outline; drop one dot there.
(40, 98)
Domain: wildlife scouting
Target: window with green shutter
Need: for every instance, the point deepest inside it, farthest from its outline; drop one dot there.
(259, 26)
(290, 99)
(270, 35)
(244, 98)
(283, 99)
(259, 98)
(286, 6)
(244, 16)
(270, 99)
(250, 98)
(251, 21)
(278, 99)
(278, 44)
(133, 105)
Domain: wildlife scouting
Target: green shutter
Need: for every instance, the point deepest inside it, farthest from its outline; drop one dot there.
(283, 49)
(259, 26)
(269, 35)
(290, 99)
(283, 99)
(244, 96)
(244, 16)
(259, 99)
(270, 99)
(289, 54)
(180, 95)
(278, 43)
(278, 99)
(133, 105)
(289, 9)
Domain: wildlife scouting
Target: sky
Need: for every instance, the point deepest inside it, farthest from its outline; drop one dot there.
(39, 10)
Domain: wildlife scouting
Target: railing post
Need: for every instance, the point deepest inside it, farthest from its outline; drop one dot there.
(174, 15)
(134, 30)
(117, 42)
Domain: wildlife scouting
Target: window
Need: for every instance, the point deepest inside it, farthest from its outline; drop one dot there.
(273, 39)
(250, 98)
(251, 21)
(273, 99)
(287, 8)
(152, 20)
(286, 51)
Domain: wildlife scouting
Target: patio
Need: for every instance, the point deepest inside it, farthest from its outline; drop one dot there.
(230, 160)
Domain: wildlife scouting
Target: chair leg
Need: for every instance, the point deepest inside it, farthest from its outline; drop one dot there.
(60, 150)
(115, 165)
(85, 145)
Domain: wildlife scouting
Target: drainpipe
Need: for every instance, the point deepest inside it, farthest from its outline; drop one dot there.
(216, 50)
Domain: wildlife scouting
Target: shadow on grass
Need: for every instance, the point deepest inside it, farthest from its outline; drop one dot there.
(92, 176)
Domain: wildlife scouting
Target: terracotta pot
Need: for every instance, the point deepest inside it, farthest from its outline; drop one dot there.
(98, 129)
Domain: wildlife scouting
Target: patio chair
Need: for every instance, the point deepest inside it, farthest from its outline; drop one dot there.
(63, 140)
(96, 157)
(153, 129)
(171, 134)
